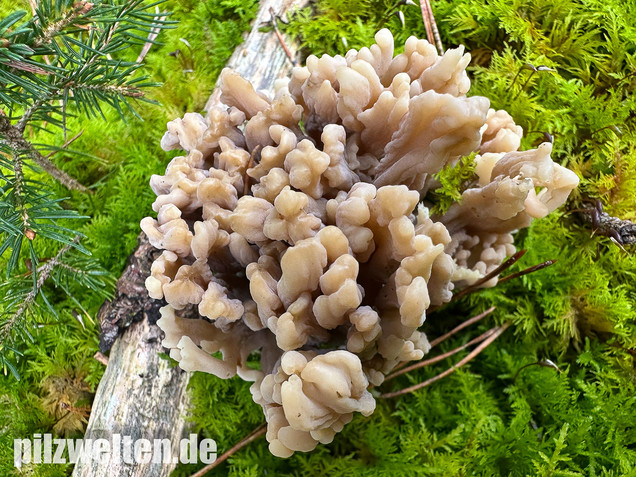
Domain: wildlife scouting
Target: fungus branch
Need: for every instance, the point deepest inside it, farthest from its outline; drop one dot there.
(309, 197)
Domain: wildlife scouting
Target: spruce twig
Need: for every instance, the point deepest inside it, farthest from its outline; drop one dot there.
(54, 171)
(11, 137)
(43, 273)
(68, 19)
(68, 52)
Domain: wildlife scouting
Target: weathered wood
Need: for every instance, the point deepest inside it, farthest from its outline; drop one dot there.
(261, 57)
(142, 395)
(131, 302)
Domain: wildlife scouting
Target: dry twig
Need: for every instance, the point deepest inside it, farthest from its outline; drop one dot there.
(281, 40)
(65, 145)
(528, 270)
(256, 433)
(151, 38)
(445, 336)
(504, 266)
(432, 33)
(448, 354)
(495, 334)
(463, 325)
(101, 358)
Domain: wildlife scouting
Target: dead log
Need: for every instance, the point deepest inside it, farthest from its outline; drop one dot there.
(141, 394)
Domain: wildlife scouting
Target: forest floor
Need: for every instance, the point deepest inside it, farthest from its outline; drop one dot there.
(506, 413)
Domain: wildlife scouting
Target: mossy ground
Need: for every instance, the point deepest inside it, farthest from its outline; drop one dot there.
(491, 417)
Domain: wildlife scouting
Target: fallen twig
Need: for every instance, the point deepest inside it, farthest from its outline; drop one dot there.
(427, 22)
(498, 331)
(101, 357)
(448, 354)
(504, 266)
(281, 40)
(534, 268)
(445, 336)
(255, 434)
(65, 145)
(432, 33)
(154, 31)
(461, 326)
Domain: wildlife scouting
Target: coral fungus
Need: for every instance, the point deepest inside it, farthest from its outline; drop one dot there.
(299, 226)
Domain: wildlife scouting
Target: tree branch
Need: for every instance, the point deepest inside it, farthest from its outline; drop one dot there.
(61, 176)
(44, 272)
(53, 29)
(13, 138)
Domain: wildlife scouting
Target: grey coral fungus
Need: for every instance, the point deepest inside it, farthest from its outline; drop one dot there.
(298, 227)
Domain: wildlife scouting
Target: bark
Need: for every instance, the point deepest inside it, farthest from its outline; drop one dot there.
(142, 395)
(131, 302)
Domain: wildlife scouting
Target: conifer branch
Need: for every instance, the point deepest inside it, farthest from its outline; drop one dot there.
(13, 140)
(18, 187)
(21, 124)
(43, 274)
(66, 59)
(57, 173)
(68, 18)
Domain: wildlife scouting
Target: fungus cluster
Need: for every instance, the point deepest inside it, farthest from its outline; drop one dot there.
(297, 226)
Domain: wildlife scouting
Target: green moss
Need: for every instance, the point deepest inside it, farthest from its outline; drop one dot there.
(452, 180)
(495, 416)
(579, 313)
